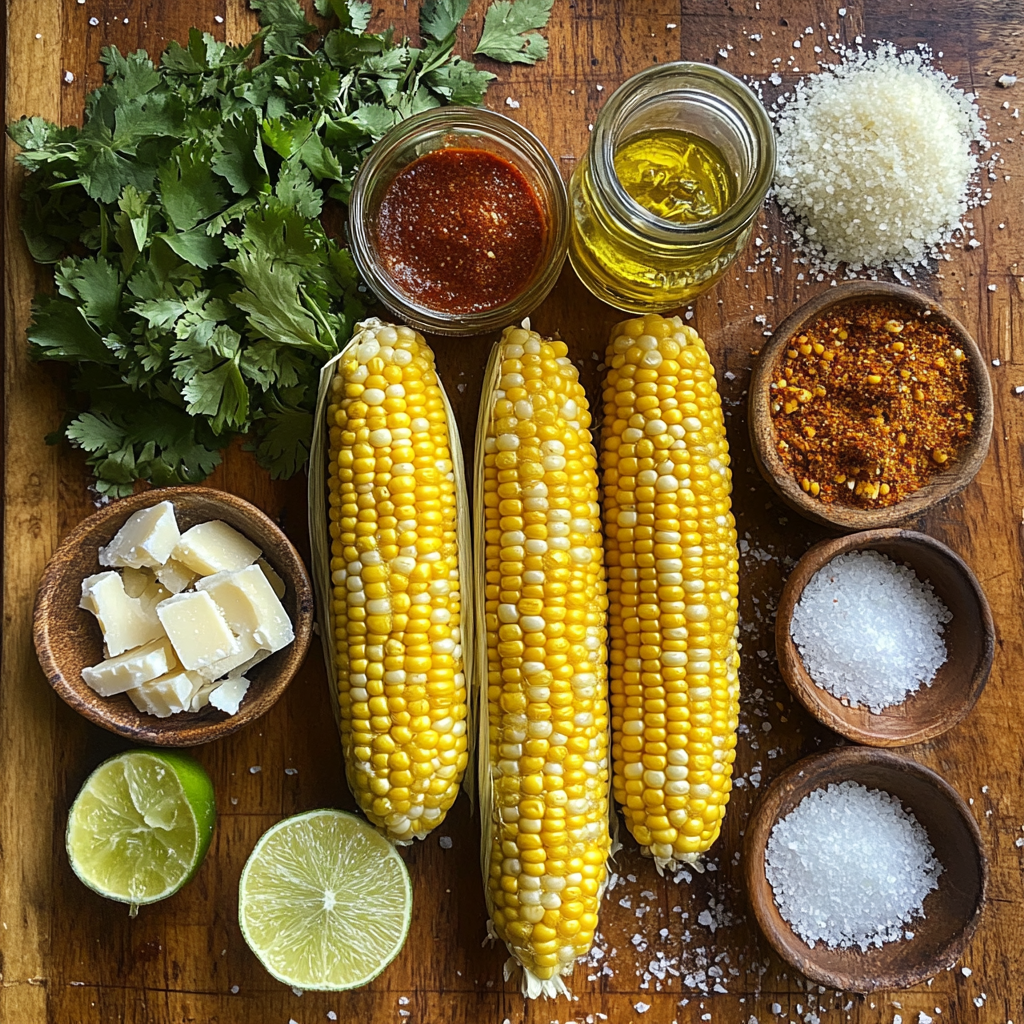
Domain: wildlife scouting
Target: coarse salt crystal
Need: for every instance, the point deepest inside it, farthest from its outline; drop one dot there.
(445, 842)
(869, 630)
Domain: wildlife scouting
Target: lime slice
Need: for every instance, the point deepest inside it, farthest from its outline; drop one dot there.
(141, 825)
(324, 901)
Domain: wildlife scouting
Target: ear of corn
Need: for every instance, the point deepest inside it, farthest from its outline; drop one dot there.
(672, 581)
(541, 649)
(392, 577)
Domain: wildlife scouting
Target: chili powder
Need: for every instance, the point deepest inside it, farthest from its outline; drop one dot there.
(871, 400)
(460, 230)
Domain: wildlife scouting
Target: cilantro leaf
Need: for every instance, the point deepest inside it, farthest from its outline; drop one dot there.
(286, 23)
(440, 18)
(284, 439)
(506, 36)
(59, 330)
(188, 189)
(353, 15)
(459, 82)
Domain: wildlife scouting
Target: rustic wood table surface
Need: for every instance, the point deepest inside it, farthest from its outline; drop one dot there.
(686, 951)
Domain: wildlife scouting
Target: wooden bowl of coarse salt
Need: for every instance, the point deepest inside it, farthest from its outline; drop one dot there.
(885, 636)
(949, 477)
(865, 870)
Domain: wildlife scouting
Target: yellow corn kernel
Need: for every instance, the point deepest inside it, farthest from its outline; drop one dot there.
(542, 647)
(397, 594)
(674, 656)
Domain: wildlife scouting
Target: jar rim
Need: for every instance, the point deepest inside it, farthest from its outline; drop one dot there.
(630, 96)
(432, 128)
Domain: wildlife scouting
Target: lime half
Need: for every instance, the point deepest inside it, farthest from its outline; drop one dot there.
(141, 825)
(324, 901)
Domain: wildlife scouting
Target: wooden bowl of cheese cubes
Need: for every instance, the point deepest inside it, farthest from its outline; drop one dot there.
(173, 617)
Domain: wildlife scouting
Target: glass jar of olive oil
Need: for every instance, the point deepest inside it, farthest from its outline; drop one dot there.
(679, 163)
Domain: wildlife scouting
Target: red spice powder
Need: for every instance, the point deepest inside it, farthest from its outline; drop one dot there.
(461, 230)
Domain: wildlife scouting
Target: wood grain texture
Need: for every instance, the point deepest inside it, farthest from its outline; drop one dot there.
(72, 958)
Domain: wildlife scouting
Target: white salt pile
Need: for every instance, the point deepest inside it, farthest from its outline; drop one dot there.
(849, 867)
(869, 630)
(875, 159)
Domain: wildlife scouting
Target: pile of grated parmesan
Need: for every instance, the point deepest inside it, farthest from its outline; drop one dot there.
(875, 159)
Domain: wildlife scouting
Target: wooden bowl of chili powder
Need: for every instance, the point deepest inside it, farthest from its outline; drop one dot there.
(869, 405)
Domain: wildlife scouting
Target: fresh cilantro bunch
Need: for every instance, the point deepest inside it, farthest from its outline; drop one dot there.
(197, 292)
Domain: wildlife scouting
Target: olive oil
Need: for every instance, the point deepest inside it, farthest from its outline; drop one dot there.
(678, 176)
(658, 210)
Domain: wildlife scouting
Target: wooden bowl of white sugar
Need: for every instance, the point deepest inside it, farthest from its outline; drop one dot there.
(865, 870)
(885, 636)
(68, 639)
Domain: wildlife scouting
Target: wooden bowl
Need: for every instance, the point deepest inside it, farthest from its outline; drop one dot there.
(67, 638)
(951, 911)
(942, 485)
(969, 637)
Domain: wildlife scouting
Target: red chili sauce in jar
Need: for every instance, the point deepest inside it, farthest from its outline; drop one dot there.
(460, 230)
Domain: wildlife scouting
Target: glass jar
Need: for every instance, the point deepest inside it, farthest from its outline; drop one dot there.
(630, 257)
(463, 128)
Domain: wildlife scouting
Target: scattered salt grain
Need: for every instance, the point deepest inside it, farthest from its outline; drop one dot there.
(641, 1007)
(255, 769)
(869, 630)
(291, 771)
(331, 1015)
(1006, 81)
(849, 867)
(924, 1018)
(966, 971)
(445, 842)
(875, 159)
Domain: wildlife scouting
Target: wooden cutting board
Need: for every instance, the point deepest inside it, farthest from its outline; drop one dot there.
(688, 951)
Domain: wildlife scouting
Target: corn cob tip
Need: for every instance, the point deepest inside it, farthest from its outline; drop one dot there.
(533, 987)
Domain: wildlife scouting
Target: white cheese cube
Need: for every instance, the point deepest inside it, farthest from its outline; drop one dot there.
(275, 581)
(228, 696)
(202, 696)
(250, 606)
(215, 547)
(123, 619)
(166, 695)
(132, 669)
(147, 539)
(248, 649)
(197, 629)
(175, 576)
